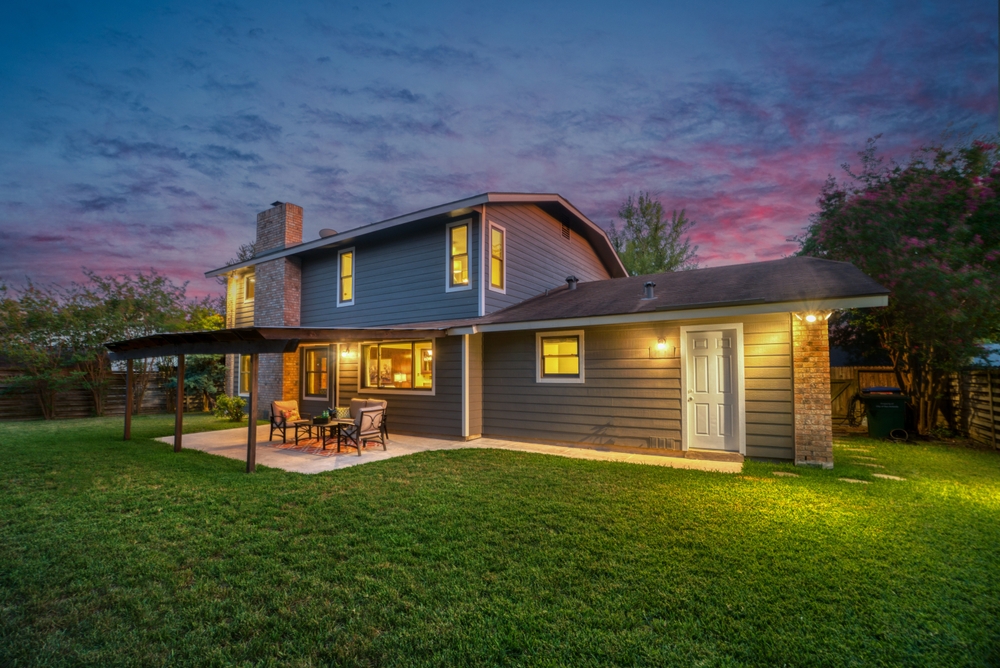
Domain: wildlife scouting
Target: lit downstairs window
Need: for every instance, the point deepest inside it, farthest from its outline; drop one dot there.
(249, 287)
(315, 369)
(560, 357)
(399, 365)
(244, 383)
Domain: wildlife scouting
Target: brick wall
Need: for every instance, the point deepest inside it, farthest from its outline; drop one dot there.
(811, 380)
(277, 302)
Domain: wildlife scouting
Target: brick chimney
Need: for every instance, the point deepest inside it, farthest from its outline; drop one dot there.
(278, 298)
(279, 227)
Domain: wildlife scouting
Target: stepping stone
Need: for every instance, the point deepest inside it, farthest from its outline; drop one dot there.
(785, 474)
(887, 476)
(874, 466)
(859, 482)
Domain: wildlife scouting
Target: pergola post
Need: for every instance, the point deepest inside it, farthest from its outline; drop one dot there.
(128, 400)
(179, 417)
(252, 417)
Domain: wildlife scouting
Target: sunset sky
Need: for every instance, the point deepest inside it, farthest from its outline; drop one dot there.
(148, 135)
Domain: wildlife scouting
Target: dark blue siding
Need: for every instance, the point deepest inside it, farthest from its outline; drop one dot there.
(398, 279)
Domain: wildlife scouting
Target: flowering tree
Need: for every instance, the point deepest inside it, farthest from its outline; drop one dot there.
(929, 231)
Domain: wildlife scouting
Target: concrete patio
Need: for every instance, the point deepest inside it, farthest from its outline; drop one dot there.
(232, 443)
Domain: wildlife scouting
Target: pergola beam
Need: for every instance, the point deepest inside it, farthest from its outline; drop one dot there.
(179, 417)
(252, 417)
(128, 401)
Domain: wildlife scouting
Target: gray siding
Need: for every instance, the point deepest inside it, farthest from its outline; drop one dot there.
(438, 414)
(630, 396)
(475, 384)
(538, 256)
(398, 279)
(242, 310)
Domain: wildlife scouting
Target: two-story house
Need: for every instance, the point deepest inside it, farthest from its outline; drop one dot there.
(510, 315)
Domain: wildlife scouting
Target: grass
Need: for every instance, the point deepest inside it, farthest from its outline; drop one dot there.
(116, 553)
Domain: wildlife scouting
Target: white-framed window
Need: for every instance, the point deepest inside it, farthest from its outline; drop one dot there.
(243, 386)
(346, 267)
(397, 365)
(560, 357)
(316, 372)
(498, 258)
(249, 287)
(458, 241)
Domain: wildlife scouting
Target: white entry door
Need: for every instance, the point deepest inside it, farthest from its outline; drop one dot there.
(712, 395)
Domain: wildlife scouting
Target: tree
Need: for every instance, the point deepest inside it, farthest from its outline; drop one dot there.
(137, 306)
(33, 339)
(929, 231)
(649, 245)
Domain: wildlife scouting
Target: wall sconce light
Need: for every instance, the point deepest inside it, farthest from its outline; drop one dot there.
(347, 353)
(814, 316)
(661, 345)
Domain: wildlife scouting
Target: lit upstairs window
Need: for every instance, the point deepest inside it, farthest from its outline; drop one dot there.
(345, 295)
(458, 256)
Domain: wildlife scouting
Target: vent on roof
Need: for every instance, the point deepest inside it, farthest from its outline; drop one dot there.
(565, 232)
(571, 282)
(648, 290)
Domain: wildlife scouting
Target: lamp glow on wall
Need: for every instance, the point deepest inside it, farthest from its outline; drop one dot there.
(812, 317)
(347, 353)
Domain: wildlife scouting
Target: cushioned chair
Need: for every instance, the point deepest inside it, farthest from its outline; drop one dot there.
(367, 427)
(285, 414)
(357, 404)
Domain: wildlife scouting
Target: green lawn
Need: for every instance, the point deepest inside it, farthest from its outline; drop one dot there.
(118, 553)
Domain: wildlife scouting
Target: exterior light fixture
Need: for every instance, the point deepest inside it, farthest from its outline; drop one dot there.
(813, 317)
(347, 353)
(661, 345)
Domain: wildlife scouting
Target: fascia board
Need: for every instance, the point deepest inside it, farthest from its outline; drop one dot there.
(868, 301)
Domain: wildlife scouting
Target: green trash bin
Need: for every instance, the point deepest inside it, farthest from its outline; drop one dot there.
(886, 410)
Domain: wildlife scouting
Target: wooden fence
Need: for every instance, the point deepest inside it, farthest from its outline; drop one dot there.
(975, 394)
(77, 402)
(846, 381)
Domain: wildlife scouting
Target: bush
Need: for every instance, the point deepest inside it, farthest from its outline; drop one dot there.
(230, 407)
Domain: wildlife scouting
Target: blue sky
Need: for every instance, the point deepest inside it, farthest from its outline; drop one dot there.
(142, 135)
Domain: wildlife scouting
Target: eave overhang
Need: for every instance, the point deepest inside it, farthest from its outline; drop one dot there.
(250, 340)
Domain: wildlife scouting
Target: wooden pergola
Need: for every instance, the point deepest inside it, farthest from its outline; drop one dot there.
(252, 341)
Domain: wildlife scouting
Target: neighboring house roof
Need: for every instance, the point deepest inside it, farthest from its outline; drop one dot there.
(789, 284)
(553, 204)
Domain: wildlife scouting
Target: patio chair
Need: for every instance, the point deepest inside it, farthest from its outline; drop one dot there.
(285, 414)
(367, 427)
(357, 404)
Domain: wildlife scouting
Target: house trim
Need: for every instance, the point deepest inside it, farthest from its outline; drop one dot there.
(681, 314)
(741, 410)
(465, 386)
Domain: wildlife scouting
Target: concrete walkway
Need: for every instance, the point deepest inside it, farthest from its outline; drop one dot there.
(232, 443)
